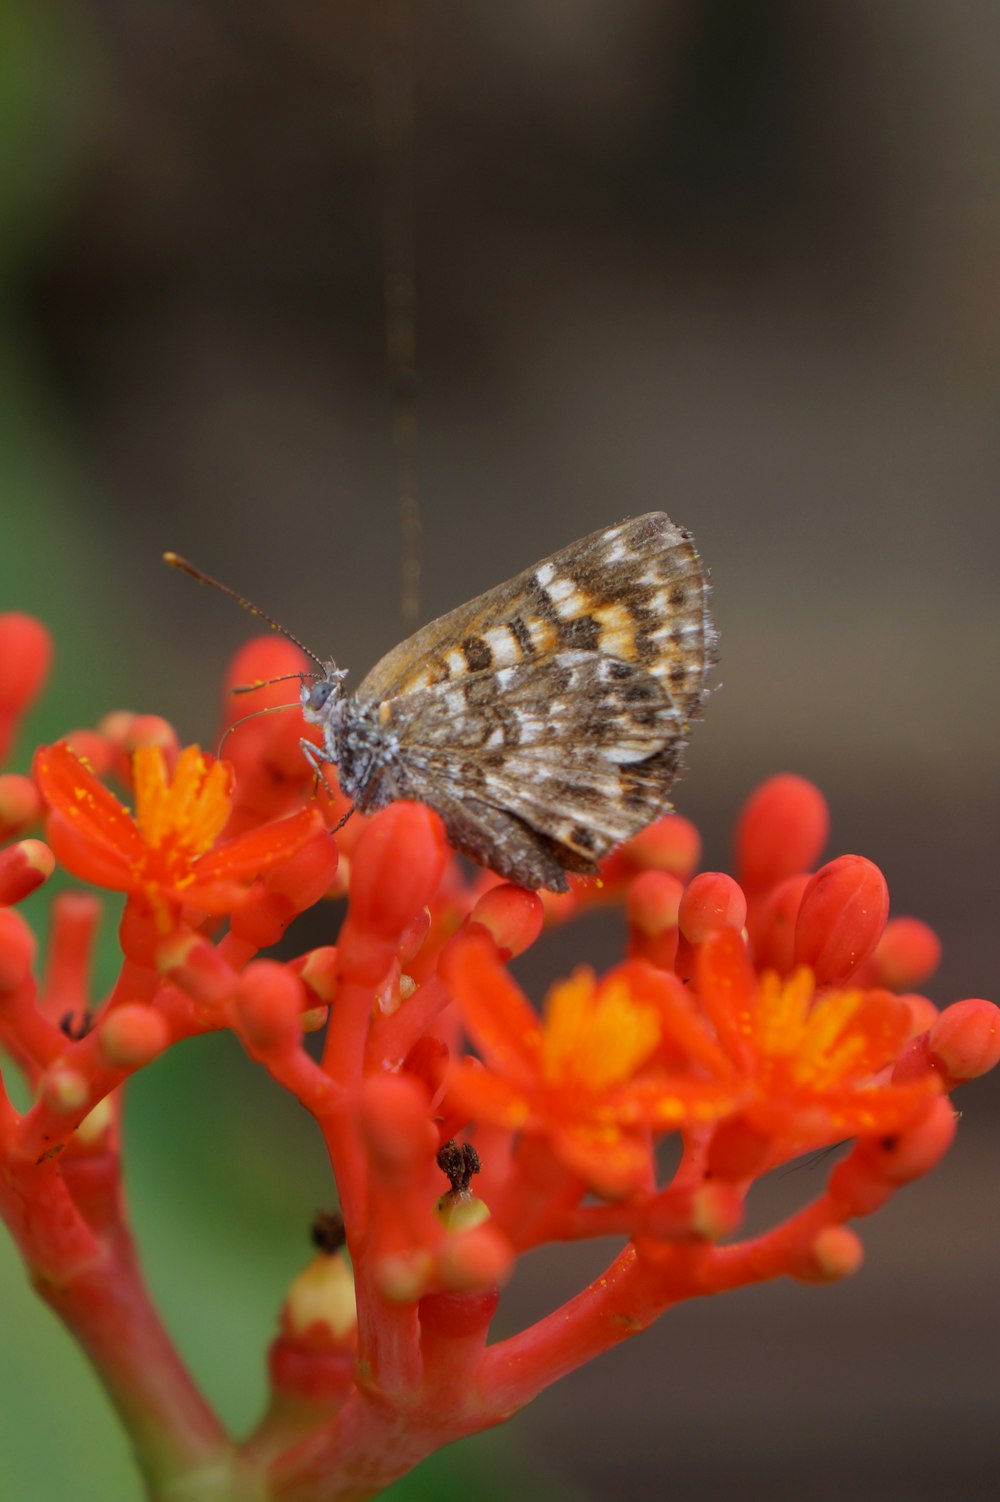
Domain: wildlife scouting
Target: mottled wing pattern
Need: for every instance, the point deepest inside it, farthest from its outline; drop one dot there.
(636, 592)
(545, 719)
(543, 766)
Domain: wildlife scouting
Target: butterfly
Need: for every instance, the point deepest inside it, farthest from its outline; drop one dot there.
(544, 720)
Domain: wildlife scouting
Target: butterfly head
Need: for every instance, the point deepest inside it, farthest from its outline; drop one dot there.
(321, 695)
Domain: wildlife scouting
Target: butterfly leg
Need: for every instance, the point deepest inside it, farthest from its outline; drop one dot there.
(317, 756)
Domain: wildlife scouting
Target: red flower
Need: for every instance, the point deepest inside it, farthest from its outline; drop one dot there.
(813, 1061)
(587, 1077)
(167, 852)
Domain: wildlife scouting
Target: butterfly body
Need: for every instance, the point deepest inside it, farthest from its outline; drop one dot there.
(544, 720)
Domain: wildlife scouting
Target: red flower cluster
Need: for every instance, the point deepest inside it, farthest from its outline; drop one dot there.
(753, 1018)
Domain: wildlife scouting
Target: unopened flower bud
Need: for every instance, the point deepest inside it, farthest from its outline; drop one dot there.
(318, 971)
(20, 804)
(270, 1000)
(403, 1277)
(64, 1089)
(711, 900)
(23, 868)
(196, 966)
(965, 1039)
(132, 1035)
(772, 924)
(512, 916)
(908, 952)
(670, 844)
(25, 653)
(397, 867)
(479, 1258)
(841, 919)
(781, 831)
(836, 1253)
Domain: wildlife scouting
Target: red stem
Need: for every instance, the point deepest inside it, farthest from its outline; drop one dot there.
(94, 1285)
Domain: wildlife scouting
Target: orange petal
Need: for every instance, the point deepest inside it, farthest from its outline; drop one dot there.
(257, 850)
(665, 1102)
(86, 857)
(728, 989)
(681, 1021)
(484, 1097)
(496, 1014)
(613, 1164)
(72, 790)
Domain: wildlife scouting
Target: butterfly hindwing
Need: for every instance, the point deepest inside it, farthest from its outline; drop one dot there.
(578, 750)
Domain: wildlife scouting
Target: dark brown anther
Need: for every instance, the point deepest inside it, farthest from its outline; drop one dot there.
(76, 1027)
(459, 1163)
(328, 1233)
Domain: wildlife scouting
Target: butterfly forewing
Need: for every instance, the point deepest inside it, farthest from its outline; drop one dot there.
(545, 719)
(636, 592)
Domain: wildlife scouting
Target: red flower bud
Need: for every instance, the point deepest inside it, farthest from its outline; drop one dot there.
(319, 970)
(513, 917)
(20, 805)
(772, 924)
(397, 867)
(196, 966)
(25, 653)
(475, 1260)
(652, 906)
(782, 830)
(841, 919)
(23, 868)
(270, 1001)
(671, 844)
(907, 953)
(965, 1039)
(711, 900)
(132, 1035)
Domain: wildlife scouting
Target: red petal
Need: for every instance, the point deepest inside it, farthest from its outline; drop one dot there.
(475, 1093)
(612, 1165)
(496, 1014)
(256, 851)
(72, 791)
(728, 989)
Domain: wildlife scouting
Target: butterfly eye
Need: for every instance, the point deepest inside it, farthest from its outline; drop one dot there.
(318, 695)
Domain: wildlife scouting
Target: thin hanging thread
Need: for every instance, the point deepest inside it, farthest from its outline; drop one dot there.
(392, 75)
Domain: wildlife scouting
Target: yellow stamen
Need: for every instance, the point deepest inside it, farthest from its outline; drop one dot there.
(189, 812)
(595, 1038)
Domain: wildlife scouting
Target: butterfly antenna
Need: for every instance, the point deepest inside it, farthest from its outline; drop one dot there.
(271, 709)
(251, 688)
(176, 561)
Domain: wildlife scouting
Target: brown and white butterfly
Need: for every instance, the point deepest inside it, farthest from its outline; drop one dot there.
(545, 719)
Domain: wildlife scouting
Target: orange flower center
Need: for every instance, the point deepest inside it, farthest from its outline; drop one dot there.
(595, 1037)
(182, 818)
(808, 1043)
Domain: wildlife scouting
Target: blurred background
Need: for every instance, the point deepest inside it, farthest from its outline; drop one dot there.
(735, 259)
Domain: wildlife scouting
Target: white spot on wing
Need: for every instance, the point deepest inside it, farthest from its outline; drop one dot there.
(544, 574)
(561, 589)
(503, 646)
